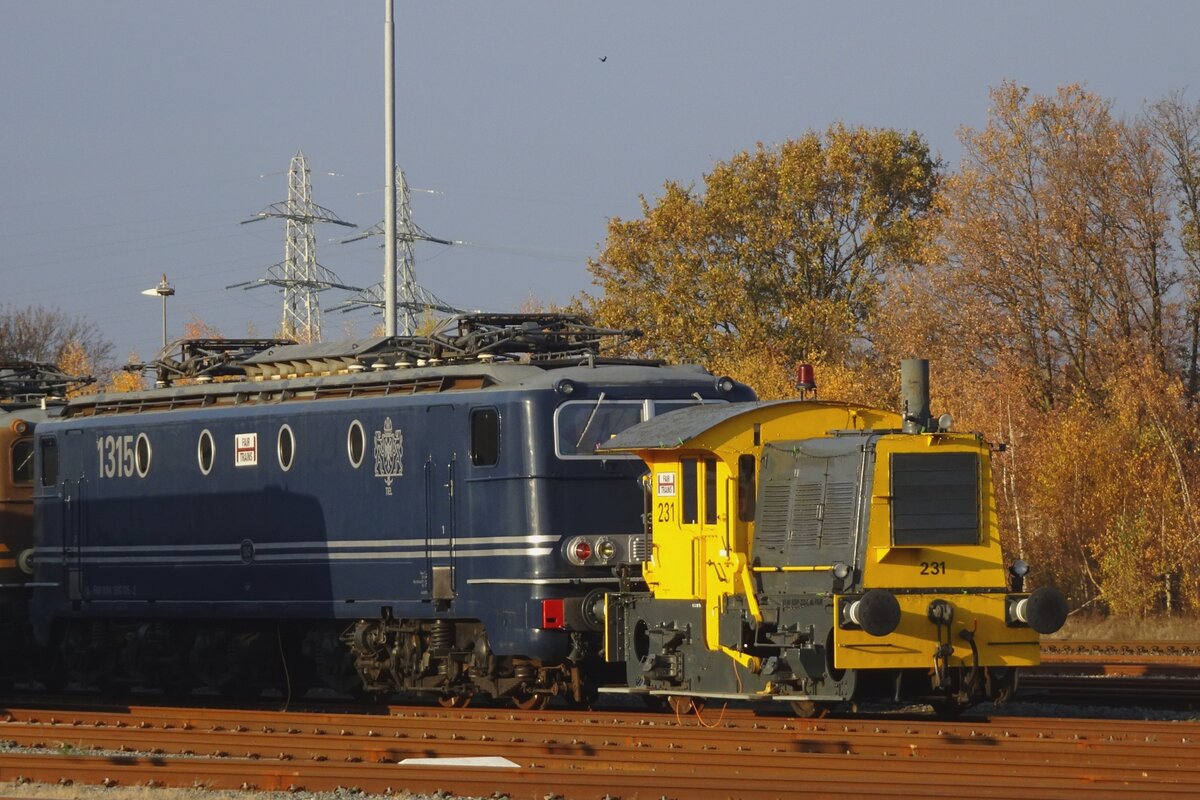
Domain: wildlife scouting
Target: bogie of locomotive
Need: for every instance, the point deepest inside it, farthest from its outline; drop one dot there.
(820, 553)
(443, 525)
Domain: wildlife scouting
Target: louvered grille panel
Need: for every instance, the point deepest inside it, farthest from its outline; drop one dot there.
(806, 527)
(774, 505)
(837, 529)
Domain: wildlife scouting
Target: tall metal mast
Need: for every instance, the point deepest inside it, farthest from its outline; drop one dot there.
(389, 205)
(299, 275)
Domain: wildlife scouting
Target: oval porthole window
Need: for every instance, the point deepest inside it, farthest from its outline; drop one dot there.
(205, 452)
(356, 444)
(142, 454)
(287, 447)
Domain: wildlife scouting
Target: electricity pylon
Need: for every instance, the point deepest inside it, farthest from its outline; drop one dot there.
(411, 299)
(299, 276)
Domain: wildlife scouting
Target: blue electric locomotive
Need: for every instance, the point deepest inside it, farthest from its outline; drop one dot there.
(409, 514)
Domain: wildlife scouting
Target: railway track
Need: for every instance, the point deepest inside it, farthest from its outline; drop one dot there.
(633, 754)
(624, 754)
(1122, 657)
(1153, 673)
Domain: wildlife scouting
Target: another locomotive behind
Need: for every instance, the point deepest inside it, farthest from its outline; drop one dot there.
(29, 393)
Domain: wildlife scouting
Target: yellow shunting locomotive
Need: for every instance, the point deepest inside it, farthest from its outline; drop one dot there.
(820, 553)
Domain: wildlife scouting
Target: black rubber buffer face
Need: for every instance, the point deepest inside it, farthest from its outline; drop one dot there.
(1046, 610)
(879, 612)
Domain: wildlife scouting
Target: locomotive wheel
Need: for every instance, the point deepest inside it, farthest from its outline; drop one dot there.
(454, 700)
(1001, 684)
(684, 704)
(809, 709)
(949, 707)
(529, 701)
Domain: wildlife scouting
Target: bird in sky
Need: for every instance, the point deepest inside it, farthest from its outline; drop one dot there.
(604, 58)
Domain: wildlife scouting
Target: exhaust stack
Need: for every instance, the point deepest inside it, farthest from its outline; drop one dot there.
(914, 395)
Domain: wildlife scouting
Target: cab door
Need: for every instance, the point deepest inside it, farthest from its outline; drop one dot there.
(72, 509)
(441, 524)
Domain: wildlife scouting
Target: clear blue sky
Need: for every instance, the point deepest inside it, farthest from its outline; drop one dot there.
(133, 133)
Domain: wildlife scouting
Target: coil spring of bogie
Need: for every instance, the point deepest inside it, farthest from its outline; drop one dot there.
(441, 636)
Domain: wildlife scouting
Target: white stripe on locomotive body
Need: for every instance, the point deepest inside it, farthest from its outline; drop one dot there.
(231, 553)
(458, 542)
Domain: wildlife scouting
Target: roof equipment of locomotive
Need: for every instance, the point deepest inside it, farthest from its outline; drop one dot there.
(549, 338)
(29, 383)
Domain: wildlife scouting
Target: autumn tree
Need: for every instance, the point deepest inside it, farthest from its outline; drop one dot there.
(197, 328)
(45, 335)
(780, 257)
(124, 380)
(1175, 128)
(1061, 289)
(1053, 281)
(74, 361)
(1058, 219)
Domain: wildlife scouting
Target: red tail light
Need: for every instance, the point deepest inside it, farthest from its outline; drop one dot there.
(583, 550)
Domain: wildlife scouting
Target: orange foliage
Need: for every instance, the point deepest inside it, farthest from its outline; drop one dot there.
(196, 328)
(74, 360)
(124, 381)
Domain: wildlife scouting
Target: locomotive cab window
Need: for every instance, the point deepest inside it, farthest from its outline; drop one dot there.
(485, 437)
(745, 488)
(583, 425)
(22, 461)
(710, 491)
(49, 461)
(688, 500)
(935, 498)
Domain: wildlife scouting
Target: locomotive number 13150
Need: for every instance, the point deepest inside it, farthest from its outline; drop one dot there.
(117, 456)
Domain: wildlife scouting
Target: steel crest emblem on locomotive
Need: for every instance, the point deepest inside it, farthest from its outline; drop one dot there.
(389, 454)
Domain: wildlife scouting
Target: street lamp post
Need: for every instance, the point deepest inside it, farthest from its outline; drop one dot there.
(163, 290)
